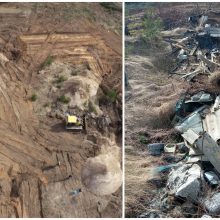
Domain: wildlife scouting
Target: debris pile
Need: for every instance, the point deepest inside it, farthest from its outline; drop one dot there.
(192, 167)
(196, 50)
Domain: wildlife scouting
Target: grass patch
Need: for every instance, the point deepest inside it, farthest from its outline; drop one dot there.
(33, 98)
(92, 107)
(142, 139)
(129, 49)
(85, 104)
(112, 94)
(164, 63)
(61, 79)
(163, 118)
(49, 60)
(64, 99)
(137, 192)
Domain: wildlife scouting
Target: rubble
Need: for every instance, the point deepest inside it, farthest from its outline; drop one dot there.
(196, 49)
(212, 204)
(184, 182)
(156, 149)
(212, 178)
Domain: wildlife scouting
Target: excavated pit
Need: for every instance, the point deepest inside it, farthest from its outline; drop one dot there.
(40, 162)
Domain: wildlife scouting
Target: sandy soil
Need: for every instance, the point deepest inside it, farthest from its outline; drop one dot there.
(41, 162)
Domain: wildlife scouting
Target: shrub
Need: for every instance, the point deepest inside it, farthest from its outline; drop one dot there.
(33, 98)
(142, 139)
(64, 99)
(152, 25)
(47, 62)
(61, 79)
(112, 94)
(92, 107)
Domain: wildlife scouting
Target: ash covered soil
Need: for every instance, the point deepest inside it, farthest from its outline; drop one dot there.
(58, 58)
(150, 100)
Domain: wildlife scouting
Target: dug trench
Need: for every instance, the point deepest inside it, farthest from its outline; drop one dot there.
(53, 63)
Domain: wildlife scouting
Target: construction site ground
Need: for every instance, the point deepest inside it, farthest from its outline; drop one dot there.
(48, 51)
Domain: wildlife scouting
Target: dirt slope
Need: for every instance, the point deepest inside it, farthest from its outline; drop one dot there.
(40, 162)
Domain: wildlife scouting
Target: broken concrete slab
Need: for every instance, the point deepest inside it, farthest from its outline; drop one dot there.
(184, 182)
(210, 149)
(212, 204)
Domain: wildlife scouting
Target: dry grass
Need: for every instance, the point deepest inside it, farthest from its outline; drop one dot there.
(162, 117)
(138, 193)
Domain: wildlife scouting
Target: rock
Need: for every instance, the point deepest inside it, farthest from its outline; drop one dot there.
(212, 204)
(185, 182)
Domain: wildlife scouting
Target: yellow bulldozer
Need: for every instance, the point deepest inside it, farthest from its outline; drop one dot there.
(75, 123)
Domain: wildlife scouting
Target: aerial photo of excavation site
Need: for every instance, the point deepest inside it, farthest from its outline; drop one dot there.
(172, 110)
(60, 109)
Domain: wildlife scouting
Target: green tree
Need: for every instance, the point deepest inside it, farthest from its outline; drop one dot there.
(152, 25)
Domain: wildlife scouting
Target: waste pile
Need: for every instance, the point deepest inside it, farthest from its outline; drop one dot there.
(196, 50)
(192, 167)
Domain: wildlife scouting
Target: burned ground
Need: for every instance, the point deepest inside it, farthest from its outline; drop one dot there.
(56, 58)
(151, 96)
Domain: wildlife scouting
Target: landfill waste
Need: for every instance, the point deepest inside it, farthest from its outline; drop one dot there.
(212, 204)
(200, 152)
(212, 178)
(156, 149)
(165, 168)
(197, 50)
(190, 162)
(184, 182)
